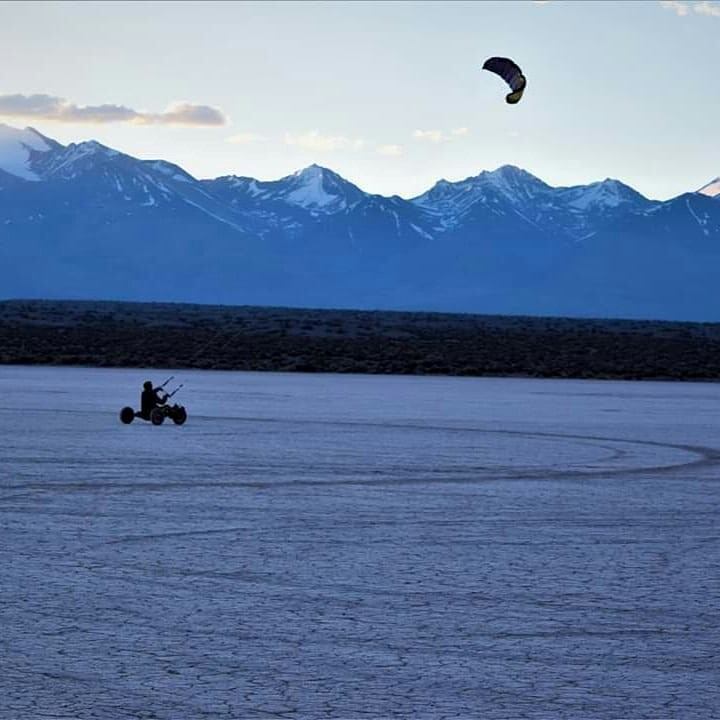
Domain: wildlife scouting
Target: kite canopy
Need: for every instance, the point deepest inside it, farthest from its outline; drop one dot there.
(510, 73)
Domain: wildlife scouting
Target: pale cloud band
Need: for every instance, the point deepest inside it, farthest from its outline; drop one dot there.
(49, 107)
(439, 136)
(316, 141)
(433, 136)
(245, 138)
(313, 140)
(389, 150)
(682, 9)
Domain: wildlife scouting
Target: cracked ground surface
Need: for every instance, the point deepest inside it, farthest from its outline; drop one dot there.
(325, 546)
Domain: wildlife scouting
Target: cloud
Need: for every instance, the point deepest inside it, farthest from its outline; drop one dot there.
(439, 136)
(313, 140)
(49, 107)
(245, 138)
(682, 9)
(433, 136)
(707, 8)
(679, 8)
(185, 114)
(391, 150)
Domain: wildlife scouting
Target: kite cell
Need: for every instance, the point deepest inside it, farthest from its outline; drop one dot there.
(510, 73)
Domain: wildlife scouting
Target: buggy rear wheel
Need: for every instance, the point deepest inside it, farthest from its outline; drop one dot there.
(157, 417)
(127, 415)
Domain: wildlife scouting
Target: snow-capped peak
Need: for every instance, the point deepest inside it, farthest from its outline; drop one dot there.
(319, 175)
(309, 189)
(712, 189)
(508, 172)
(16, 149)
(608, 193)
(318, 189)
(311, 172)
(506, 183)
(91, 147)
(513, 182)
(77, 158)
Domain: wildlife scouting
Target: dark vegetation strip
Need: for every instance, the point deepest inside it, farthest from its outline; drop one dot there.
(114, 334)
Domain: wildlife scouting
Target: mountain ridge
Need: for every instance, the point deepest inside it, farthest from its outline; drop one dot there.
(87, 221)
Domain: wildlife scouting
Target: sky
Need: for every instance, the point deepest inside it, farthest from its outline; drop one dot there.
(390, 95)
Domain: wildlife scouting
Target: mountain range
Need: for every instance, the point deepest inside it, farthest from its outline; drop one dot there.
(84, 221)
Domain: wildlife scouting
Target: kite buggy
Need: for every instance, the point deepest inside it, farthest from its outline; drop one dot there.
(154, 406)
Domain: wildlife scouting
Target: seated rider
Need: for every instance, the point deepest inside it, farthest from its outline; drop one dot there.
(150, 399)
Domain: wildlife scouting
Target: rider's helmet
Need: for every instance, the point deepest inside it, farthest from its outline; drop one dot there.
(147, 385)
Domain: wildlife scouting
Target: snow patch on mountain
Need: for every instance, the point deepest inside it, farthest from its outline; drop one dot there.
(213, 215)
(605, 194)
(505, 190)
(251, 187)
(421, 232)
(309, 190)
(712, 189)
(15, 151)
(513, 183)
(701, 221)
(169, 170)
(71, 161)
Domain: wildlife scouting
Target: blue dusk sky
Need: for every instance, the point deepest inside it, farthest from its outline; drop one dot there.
(389, 94)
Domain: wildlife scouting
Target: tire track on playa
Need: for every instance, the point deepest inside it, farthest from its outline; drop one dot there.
(708, 455)
(703, 457)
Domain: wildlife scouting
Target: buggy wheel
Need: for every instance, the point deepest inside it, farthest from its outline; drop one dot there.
(157, 417)
(179, 415)
(127, 415)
